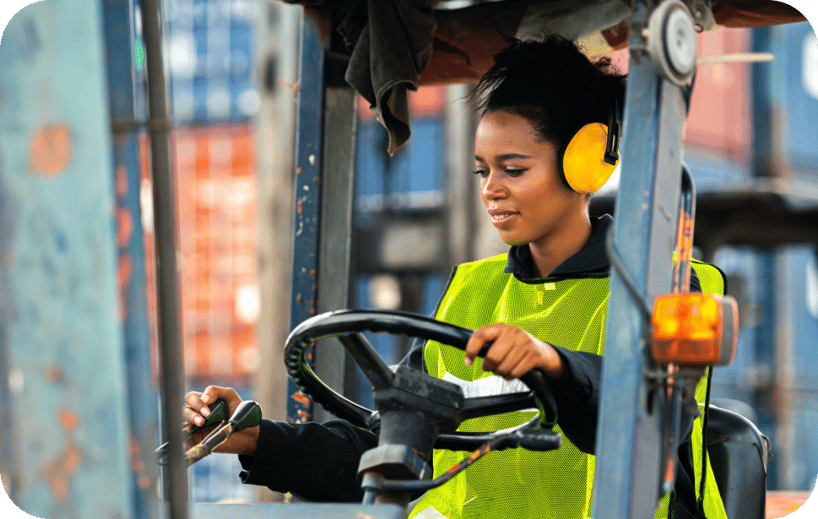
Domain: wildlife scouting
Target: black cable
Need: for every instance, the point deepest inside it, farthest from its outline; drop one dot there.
(700, 501)
(619, 267)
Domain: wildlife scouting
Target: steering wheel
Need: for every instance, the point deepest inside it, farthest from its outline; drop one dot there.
(347, 326)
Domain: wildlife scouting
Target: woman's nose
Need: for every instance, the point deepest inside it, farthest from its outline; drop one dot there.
(493, 187)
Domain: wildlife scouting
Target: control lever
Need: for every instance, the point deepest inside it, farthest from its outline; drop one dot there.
(247, 414)
(218, 413)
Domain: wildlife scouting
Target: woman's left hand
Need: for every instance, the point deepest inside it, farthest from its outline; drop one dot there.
(514, 352)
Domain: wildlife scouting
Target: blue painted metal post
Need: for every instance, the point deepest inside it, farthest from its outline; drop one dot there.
(307, 190)
(60, 328)
(142, 396)
(629, 438)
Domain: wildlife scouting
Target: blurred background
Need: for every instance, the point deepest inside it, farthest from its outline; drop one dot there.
(233, 82)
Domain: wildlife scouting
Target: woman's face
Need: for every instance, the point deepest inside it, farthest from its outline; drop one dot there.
(520, 184)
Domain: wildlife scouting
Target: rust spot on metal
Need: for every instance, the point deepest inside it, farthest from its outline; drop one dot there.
(124, 226)
(298, 170)
(55, 374)
(298, 208)
(137, 465)
(301, 398)
(124, 271)
(68, 419)
(59, 473)
(50, 150)
(294, 87)
(121, 181)
(124, 275)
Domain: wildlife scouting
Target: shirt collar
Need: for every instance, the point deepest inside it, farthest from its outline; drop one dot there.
(591, 258)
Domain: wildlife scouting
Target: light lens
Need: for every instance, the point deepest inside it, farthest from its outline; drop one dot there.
(689, 329)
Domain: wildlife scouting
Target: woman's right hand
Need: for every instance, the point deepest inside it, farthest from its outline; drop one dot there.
(196, 411)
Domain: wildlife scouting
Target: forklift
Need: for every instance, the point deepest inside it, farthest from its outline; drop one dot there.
(644, 373)
(656, 201)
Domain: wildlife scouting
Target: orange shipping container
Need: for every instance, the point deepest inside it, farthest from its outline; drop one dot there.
(217, 204)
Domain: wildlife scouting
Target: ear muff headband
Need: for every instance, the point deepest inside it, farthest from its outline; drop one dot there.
(583, 160)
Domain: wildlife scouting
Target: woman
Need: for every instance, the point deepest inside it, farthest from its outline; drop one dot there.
(550, 289)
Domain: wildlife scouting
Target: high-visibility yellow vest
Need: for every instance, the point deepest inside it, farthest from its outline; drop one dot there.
(518, 483)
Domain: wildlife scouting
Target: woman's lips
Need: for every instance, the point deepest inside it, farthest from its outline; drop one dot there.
(501, 219)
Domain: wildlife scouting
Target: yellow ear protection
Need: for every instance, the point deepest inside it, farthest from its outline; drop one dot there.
(591, 155)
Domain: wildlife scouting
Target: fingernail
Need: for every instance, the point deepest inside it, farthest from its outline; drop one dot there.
(205, 398)
(198, 420)
(205, 411)
(468, 361)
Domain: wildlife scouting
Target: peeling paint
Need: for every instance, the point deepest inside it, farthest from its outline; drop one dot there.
(55, 374)
(301, 398)
(121, 181)
(59, 474)
(124, 227)
(64, 345)
(51, 149)
(67, 419)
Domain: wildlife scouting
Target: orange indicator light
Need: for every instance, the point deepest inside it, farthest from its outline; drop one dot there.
(694, 329)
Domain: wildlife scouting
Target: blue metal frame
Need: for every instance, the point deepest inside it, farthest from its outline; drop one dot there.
(307, 190)
(142, 396)
(627, 482)
(61, 334)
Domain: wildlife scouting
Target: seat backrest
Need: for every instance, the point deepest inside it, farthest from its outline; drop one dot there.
(739, 455)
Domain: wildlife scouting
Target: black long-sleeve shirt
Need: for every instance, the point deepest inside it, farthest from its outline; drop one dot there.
(319, 462)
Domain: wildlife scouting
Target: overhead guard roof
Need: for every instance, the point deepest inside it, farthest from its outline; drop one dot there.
(465, 38)
(398, 45)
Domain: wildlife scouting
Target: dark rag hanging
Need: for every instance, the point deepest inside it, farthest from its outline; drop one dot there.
(391, 43)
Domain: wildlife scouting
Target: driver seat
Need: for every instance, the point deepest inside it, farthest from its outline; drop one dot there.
(739, 455)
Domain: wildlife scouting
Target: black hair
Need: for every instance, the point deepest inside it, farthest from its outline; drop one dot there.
(552, 84)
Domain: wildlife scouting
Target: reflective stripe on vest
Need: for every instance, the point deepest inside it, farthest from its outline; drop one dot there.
(571, 313)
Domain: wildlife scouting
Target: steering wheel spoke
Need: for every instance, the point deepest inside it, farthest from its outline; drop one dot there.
(490, 405)
(373, 366)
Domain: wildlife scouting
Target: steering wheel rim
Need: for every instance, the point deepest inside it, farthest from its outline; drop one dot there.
(347, 325)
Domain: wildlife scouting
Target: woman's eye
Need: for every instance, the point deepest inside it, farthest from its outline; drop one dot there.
(482, 172)
(514, 172)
